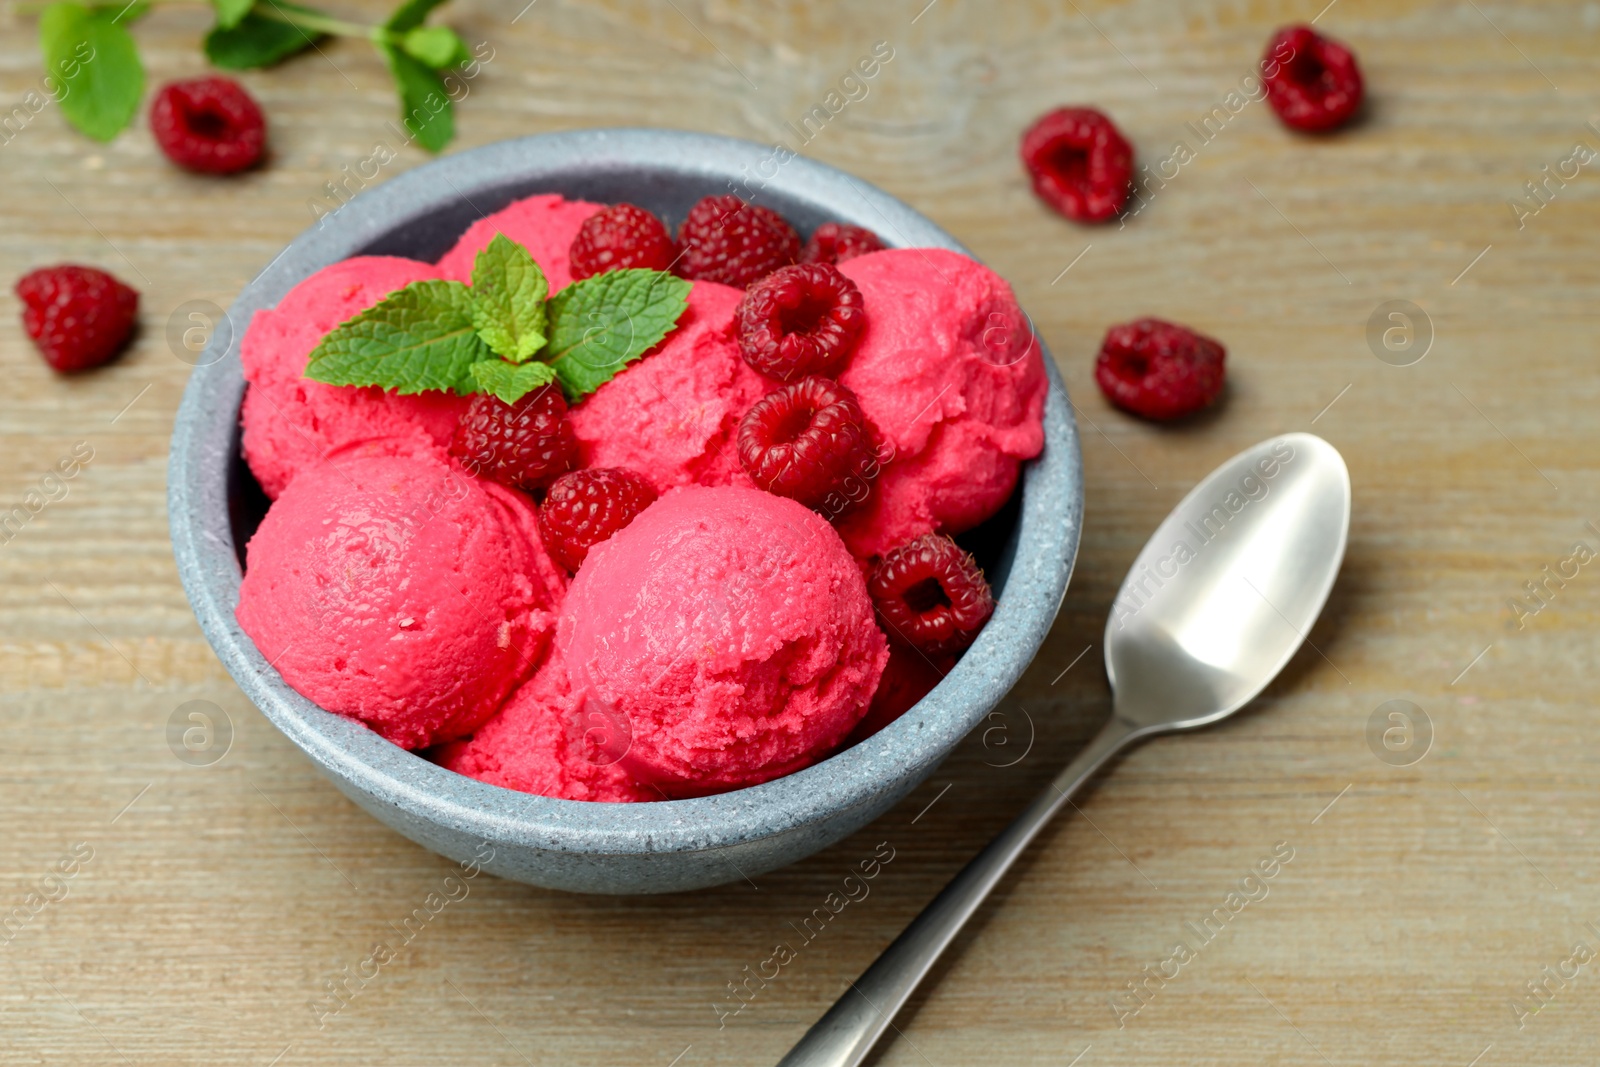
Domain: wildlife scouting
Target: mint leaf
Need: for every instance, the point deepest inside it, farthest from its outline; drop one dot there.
(424, 103)
(416, 339)
(601, 324)
(508, 294)
(510, 381)
(435, 46)
(255, 41)
(410, 14)
(92, 53)
(229, 12)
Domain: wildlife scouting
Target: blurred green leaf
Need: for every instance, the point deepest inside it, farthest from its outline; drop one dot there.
(229, 12)
(92, 55)
(436, 46)
(424, 104)
(255, 41)
(410, 14)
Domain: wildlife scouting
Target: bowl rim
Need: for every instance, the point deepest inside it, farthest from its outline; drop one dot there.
(204, 441)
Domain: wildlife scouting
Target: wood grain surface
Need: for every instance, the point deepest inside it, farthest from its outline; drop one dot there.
(208, 906)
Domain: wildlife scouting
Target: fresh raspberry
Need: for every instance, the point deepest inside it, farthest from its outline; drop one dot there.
(1081, 164)
(809, 442)
(799, 321)
(621, 237)
(727, 240)
(209, 125)
(1314, 83)
(586, 507)
(835, 242)
(525, 445)
(79, 317)
(1158, 369)
(931, 595)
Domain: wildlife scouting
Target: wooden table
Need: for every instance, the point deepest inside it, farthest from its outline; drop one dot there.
(208, 905)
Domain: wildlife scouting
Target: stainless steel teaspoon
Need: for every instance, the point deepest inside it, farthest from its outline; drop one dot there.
(1213, 608)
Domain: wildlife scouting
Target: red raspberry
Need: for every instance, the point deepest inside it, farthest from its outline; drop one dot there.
(727, 240)
(621, 237)
(931, 595)
(525, 445)
(1313, 82)
(835, 242)
(209, 125)
(809, 442)
(1158, 369)
(800, 321)
(79, 317)
(1081, 164)
(586, 507)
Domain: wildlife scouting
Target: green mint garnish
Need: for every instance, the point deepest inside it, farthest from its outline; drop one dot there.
(91, 52)
(492, 337)
(511, 381)
(508, 295)
(603, 323)
(417, 339)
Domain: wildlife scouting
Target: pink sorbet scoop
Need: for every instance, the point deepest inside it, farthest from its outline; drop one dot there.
(399, 591)
(731, 631)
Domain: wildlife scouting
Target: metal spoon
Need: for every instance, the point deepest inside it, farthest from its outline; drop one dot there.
(1219, 599)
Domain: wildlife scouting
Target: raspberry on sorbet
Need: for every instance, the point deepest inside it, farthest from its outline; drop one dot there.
(835, 242)
(525, 445)
(931, 595)
(622, 237)
(585, 507)
(809, 441)
(799, 321)
(727, 240)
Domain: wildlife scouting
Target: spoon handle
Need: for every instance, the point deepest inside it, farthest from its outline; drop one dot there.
(844, 1036)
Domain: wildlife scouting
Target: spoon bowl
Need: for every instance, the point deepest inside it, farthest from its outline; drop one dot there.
(1229, 585)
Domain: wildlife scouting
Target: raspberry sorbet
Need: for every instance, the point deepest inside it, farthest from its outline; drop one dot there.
(731, 631)
(549, 743)
(290, 421)
(400, 591)
(673, 415)
(949, 373)
(545, 225)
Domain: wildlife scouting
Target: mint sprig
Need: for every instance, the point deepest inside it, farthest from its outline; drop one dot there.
(603, 323)
(510, 381)
(90, 54)
(504, 334)
(508, 295)
(414, 340)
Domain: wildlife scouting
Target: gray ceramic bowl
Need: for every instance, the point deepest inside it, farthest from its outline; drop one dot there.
(606, 848)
